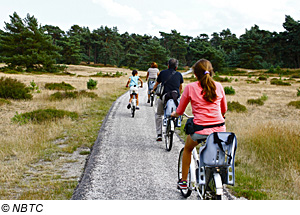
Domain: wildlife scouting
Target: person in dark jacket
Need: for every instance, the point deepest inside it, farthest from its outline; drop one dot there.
(172, 81)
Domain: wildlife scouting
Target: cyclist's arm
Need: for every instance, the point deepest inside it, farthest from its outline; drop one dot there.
(147, 75)
(128, 82)
(155, 85)
(223, 103)
(141, 82)
(184, 101)
(180, 89)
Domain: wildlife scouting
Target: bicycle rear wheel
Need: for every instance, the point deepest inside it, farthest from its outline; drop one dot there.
(185, 193)
(151, 100)
(211, 190)
(132, 111)
(169, 136)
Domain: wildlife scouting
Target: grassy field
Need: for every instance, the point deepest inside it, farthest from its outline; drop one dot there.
(45, 161)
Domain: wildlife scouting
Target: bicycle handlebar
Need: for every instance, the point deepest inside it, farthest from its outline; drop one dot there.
(187, 116)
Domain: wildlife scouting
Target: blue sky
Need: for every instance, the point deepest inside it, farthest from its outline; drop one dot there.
(189, 17)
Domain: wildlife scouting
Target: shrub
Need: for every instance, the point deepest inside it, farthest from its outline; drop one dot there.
(92, 84)
(295, 76)
(259, 101)
(236, 106)
(271, 70)
(33, 87)
(40, 116)
(72, 95)
(264, 97)
(276, 81)
(220, 79)
(4, 101)
(100, 74)
(262, 78)
(295, 104)
(229, 90)
(255, 101)
(13, 89)
(249, 81)
(59, 86)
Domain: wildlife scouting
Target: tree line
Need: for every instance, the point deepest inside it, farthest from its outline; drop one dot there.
(26, 45)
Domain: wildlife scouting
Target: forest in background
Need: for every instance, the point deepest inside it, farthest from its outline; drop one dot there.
(26, 45)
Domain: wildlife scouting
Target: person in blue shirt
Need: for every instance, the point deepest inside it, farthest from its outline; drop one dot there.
(133, 82)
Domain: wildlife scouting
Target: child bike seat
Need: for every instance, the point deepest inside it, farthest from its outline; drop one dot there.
(219, 151)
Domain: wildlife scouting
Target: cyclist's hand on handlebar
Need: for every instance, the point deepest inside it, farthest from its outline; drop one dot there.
(174, 114)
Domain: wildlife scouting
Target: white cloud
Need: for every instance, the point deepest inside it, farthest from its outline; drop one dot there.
(169, 20)
(115, 9)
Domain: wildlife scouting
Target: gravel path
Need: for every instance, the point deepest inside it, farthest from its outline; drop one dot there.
(126, 161)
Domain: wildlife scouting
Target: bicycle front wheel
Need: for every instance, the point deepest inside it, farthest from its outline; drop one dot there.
(185, 193)
(151, 100)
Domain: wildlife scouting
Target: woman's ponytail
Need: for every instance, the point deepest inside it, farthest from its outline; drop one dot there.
(203, 71)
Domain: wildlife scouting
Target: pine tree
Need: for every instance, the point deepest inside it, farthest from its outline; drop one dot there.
(26, 46)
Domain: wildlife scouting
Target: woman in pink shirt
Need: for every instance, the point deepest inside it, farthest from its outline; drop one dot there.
(209, 105)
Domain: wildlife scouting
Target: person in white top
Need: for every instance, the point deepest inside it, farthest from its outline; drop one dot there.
(152, 74)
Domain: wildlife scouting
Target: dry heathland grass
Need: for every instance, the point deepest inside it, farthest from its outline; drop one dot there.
(44, 161)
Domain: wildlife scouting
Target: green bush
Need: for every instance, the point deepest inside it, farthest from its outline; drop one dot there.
(271, 70)
(295, 104)
(229, 90)
(72, 95)
(260, 101)
(100, 74)
(220, 79)
(59, 86)
(41, 115)
(92, 84)
(262, 78)
(13, 89)
(276, 81)
(4, 101)
(255, 101)
(236, 106)
(33, 87)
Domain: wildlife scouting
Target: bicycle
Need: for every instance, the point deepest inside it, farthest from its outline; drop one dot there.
(133, 90)
(170, 123)
(212, 167)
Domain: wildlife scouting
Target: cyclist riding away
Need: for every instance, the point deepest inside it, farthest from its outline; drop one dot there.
(152, 74)
(134, 82)
(171, 81)
(209, 105)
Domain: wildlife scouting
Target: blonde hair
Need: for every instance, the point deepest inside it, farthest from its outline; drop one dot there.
(203, 70)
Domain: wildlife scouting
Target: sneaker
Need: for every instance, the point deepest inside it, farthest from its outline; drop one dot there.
(159, 137)
(182, 184)
(137, 107)
(129, 106)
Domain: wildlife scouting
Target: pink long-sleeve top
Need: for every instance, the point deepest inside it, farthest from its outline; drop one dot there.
(205, 113)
